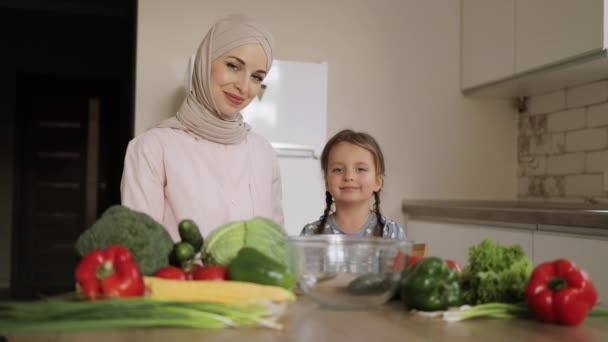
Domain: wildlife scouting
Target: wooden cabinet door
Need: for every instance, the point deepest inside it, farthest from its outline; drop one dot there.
(487, 41)
(553, 31)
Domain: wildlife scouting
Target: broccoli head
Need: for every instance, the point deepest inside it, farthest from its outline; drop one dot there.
(148, 240)
(495, 273)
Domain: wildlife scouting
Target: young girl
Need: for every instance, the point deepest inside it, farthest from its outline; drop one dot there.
(353, 167)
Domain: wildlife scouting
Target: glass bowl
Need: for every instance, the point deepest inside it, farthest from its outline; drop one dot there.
(347, 272)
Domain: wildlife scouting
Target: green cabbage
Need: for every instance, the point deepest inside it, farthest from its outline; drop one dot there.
(223, 243)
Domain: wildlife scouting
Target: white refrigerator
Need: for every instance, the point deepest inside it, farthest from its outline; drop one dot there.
(291, 112)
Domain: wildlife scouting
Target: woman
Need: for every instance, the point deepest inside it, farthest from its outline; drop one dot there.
(204, 163)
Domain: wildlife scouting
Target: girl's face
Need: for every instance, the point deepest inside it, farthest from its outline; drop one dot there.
(351, 174)
(236, 78)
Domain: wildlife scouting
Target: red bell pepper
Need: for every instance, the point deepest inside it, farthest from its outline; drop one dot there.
(111, 272)
(558, 292)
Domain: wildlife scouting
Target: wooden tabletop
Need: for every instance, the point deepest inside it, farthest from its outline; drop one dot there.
(306, 321)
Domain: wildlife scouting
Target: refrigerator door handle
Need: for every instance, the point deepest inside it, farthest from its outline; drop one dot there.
(294, 151)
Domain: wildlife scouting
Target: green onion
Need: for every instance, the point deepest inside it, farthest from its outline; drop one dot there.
(492, 310)
(65, 315)
(598, 311)
(502, 310)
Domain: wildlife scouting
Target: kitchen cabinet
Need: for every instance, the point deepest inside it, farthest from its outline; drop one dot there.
(588, 252)
(527, 47)
(452, 239)
(487, 41)
(587, 247)
(551, 31)
(546, 231)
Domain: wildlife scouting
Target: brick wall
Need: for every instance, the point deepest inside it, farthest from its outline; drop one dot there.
(563, 145)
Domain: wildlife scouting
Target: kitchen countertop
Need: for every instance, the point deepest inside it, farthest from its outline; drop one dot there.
(535, 213)
(306, 321)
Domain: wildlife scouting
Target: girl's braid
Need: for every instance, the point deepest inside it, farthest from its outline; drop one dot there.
(328, 201)
(380, 224)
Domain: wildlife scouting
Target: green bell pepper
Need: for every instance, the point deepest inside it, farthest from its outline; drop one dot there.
(430, 285)
(254, 266)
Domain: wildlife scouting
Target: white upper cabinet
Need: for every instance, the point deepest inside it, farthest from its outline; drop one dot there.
(527, 47)
(487, 41)
(553, 31)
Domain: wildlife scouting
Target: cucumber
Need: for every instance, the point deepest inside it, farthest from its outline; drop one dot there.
(373, 283)
(189, 232)
(181, 253)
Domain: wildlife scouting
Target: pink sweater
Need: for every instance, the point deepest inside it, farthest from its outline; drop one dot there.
(172, 175)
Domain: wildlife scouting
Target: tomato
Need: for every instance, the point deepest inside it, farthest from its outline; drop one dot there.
(412, 260)
(171, 272)
(398, 262)
(453, 265)
(215, 272)
(190, 269)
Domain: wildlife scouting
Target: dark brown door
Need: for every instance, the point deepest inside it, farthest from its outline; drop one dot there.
(58, 179)
(68, 90)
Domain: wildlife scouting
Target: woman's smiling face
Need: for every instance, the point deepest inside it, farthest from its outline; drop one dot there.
(351, 174)
(236, 78)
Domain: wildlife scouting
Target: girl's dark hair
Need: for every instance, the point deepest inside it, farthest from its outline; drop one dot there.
(367, 142)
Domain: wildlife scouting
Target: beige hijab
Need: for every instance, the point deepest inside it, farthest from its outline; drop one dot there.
(198, 113)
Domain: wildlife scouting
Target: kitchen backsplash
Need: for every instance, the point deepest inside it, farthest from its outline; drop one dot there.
(563, 145)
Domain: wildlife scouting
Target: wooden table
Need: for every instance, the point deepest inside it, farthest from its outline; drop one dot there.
(306, 321)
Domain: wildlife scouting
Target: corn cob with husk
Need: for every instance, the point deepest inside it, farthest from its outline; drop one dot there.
(226, 292)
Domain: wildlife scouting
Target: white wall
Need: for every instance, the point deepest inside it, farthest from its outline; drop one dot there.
(394, 71)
